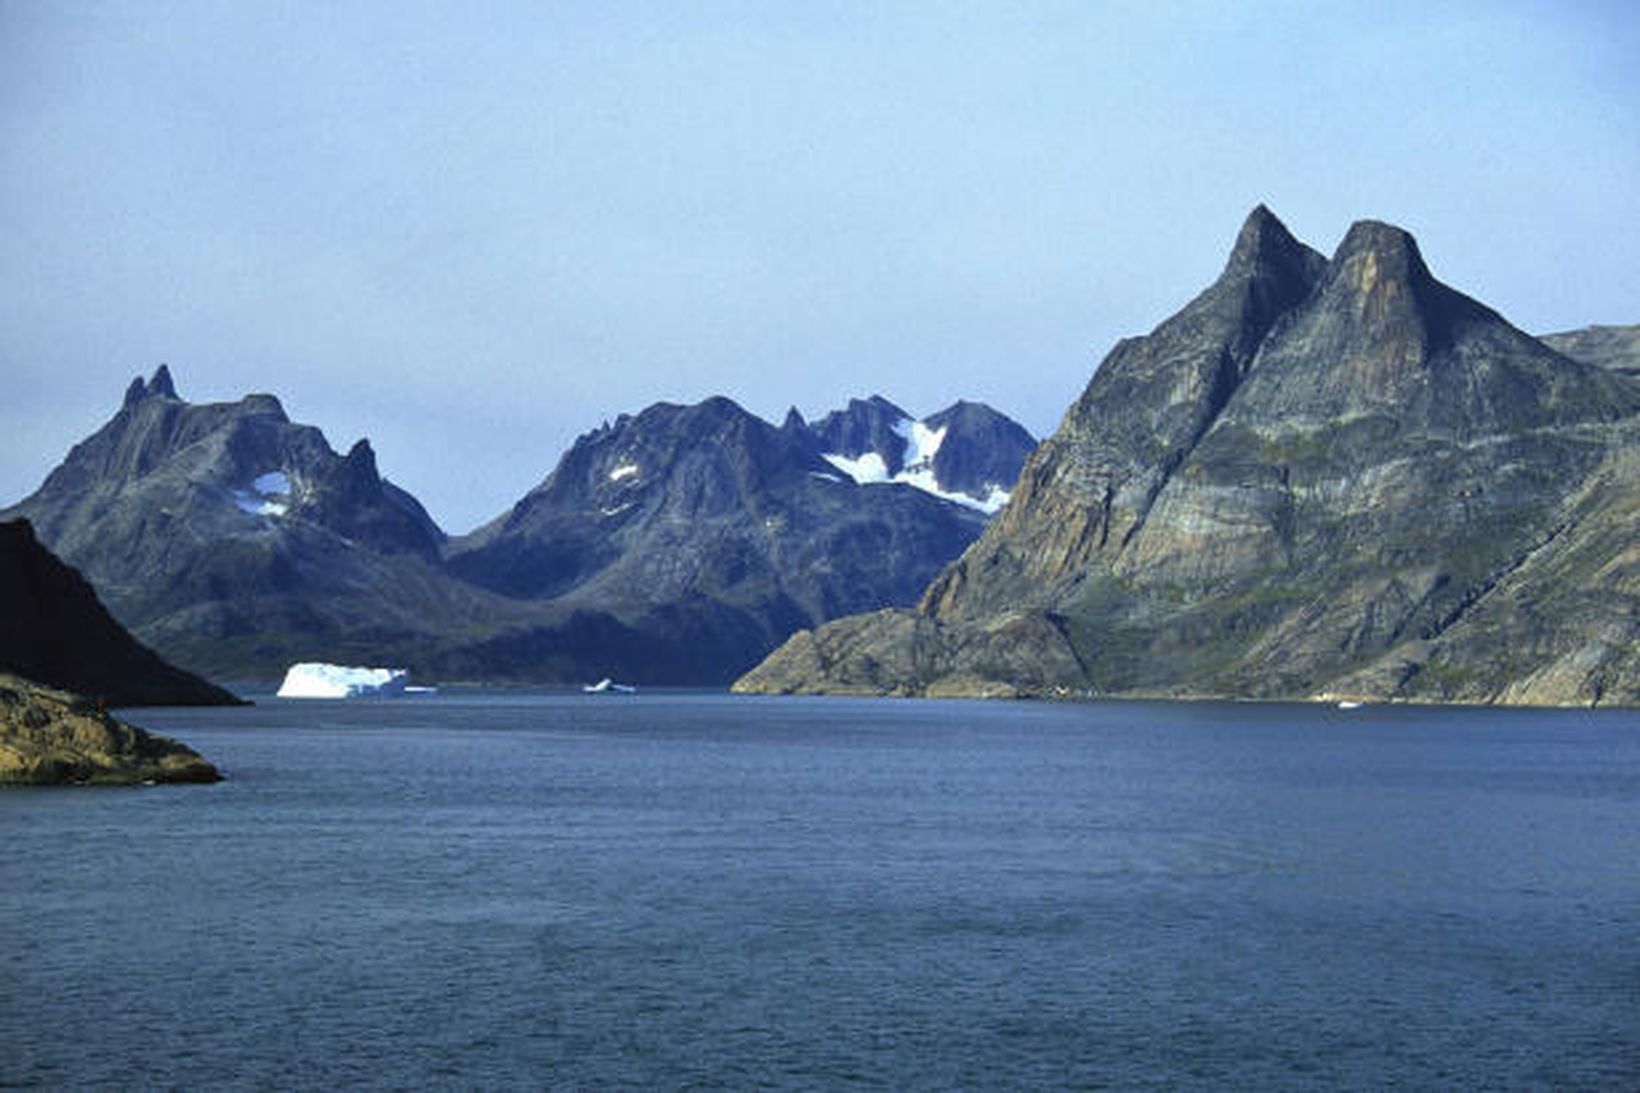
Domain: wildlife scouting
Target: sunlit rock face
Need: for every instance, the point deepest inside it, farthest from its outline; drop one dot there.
(1320, 477)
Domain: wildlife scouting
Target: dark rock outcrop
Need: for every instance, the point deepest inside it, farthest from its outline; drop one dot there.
(51, 737)
(1320, 477)
(980, 449)
(53, 630)
(865, 425)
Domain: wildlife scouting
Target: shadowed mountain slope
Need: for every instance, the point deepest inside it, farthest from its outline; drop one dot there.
(54, 631)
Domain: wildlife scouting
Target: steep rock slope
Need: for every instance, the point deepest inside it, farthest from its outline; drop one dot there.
(1320, 476)
(701, 536)
(54, 631)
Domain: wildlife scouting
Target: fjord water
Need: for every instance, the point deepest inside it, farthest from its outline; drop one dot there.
(498, 890)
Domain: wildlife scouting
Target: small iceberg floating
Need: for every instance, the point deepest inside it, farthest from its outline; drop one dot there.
(1349, 704)
(315, 680)
(607, 686)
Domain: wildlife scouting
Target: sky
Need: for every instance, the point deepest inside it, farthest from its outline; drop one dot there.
(472, 232)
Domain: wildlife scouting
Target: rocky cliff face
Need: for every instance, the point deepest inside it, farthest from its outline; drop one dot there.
(1319, 477)
(701, 536)
(54, 631)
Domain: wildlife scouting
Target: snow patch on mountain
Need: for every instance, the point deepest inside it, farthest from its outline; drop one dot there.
(922, 444)
(625, 470)
(865, 470)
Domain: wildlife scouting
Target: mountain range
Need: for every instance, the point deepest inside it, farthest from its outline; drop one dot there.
(679, 545)
(1323, 477)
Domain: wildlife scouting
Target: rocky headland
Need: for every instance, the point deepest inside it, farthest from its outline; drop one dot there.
(52, 737)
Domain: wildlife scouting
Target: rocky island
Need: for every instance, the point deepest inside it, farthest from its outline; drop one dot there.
(50, 737)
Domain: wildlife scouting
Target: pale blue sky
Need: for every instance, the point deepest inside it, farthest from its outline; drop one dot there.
(473, 231)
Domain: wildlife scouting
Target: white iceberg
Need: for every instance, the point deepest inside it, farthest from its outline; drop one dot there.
(314, 680)
(607, 686)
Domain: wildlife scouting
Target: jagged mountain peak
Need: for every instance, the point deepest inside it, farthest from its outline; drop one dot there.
(160, 386)
(1379, 268)
(1263, 240)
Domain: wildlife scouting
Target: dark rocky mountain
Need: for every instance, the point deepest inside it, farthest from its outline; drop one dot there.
(865, 425)
(1319, 478)
(54, 631)
(236, 542)
(677, 546)
(980, 450)
(50, 737)
(1612, 347)
(699, 537)
(967, 452)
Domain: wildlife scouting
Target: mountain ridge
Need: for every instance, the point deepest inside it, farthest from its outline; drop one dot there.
(1308, 480)
(238, 542)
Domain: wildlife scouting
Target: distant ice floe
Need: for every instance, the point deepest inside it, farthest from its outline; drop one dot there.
(269, 495)
(922, 444)
(315, 680)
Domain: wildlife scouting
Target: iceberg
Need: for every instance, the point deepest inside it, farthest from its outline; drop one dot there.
(608, 686)
(314, 680)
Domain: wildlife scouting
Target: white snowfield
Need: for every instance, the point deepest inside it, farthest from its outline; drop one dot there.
(921, 445)
(315, 680)
(625, 470)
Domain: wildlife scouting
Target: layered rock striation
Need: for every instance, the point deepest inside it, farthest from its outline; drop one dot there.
(1321, 477)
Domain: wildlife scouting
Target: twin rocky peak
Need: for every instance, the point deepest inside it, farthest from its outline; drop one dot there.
(1321, 477)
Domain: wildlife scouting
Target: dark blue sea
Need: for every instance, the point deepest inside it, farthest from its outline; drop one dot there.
(666, 891)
